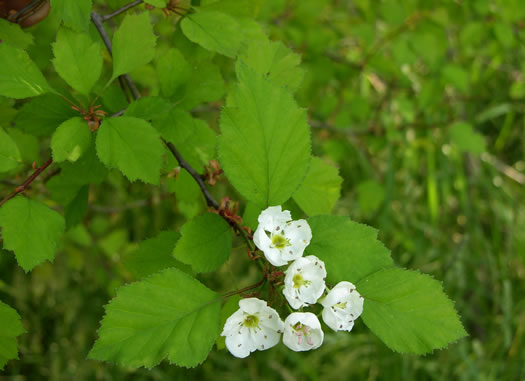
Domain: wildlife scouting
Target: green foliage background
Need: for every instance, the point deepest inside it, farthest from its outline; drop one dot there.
(420, 104)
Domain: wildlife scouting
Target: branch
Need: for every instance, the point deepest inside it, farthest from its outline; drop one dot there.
(28, 182)
(121, 10)
(210, 201)
(184, 164)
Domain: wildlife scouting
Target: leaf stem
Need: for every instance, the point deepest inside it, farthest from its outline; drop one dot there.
(248, 288)
(28, 182)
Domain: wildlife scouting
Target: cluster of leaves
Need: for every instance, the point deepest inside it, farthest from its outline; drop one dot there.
(264, 148)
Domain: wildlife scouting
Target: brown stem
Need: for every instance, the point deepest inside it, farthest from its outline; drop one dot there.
(121, 10)
(28, 182)
(184, 164)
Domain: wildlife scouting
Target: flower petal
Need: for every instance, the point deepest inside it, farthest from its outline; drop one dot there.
(272, 217)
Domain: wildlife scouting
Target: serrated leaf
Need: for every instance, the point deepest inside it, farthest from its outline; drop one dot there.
(275, 61)
(205, 244)
(133, 44)
(74, 14)
(168, 315)
(10, 328)
(192, 137)
(265, 143)
(466, 139)
(173, 71)
(320, 189)
(9, 152)
(133, 146)
(20, 77)
(12, 34)
(214, 31)
(78, 60)
(42, 115)
(349, 250)
(71, 139)
(155, 254)
(31, 230)
(409, 311)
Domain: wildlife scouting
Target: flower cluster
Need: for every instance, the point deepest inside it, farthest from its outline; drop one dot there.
(256, 326)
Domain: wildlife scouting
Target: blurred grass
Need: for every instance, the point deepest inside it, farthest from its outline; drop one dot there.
(385, 83)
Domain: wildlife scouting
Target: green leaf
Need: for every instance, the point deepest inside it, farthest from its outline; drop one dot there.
(66, 185)
(75, 211)
(466, 139)
(12, 34)
(28, 145)
(173, 71)
(20, 77)
(211, 85)
(9, 153)
(74, 14)
(275, 61)
(349, 250)
(132, 146)
(168, 315)
(78, 60)
(31, 230)
(409, 311)
(155, 254)
(265, 143)
(192, 137)
(214, 31)
(42, 115)
(10, 328)
(133, 44)
(71, 139)
(149, 108)
(320, 189)
(206, 243)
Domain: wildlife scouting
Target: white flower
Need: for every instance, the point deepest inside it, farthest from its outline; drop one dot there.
(254, 326)
(304, 281)
(302, 332)
(342, 306)
(280, 239)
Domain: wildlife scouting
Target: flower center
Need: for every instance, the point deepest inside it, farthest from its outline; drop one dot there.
(279, 241)
(301, 331)
(299, 281)
(251, 321)
(340, 305)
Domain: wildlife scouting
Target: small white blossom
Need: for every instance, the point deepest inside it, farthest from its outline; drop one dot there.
(302, 332)
(279, 238)
(254, 326)
(304, 281)
(342, 306)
